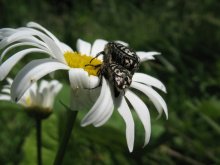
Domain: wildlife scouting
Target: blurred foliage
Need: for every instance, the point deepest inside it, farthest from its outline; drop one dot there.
(186, 32)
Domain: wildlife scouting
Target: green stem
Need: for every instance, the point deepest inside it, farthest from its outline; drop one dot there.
(71, 118)
(39, 141)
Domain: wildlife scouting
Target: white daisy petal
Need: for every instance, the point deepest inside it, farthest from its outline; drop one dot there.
(33, 88)
(5, 32)
(33, 96)
(5, 90)
(21, 44)
(37, 26)
(83, 47)
(142, 112)
(144, 56)
(105, 117)
(153, 95)
(55, 86)
(33, 72)
(47, 98)
(6, 67)
(125, 113)
(99, 106)
(81, 79)
(65, 48)
(61, 45)
(5, 97)
(149, 80)
(106, 114)
(9, 80)
(55, 49)
(43, 84)
(98, 46)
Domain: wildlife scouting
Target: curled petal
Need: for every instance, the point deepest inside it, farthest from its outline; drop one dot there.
(33, 72)
(21, 44)
(26, 33)
(142, 112)
(61, 45)
(100, 108)
(125, 113)
(37, 26)
(149, 80)
(107, 113)
(154, 97)
(6, 67)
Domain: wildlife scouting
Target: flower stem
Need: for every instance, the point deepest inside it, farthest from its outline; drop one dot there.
(71, 118)
(39, 141)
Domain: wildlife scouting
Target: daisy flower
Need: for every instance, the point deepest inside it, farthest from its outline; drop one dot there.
(62, 57)
(107, 102)
(36, 39)
(37, 97)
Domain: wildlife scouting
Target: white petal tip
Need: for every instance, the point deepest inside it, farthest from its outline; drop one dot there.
(145, 145)
(159, 116)
(157, 53)
(130, 149)
(84, 123)
(163, 88)
(147, 140)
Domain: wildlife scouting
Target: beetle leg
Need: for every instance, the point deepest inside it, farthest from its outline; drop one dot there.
(102, 52)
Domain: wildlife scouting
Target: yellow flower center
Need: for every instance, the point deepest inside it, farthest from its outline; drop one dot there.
(28, 101)
(88, 63)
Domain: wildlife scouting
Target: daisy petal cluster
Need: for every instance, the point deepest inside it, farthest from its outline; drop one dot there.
(82, 75)
(42, 95)
(36, 39)
(104, 106)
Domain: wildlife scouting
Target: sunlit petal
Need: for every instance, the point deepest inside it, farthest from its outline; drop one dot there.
(6, 67)
(142, 112)
(33, 72)
(125, 113)
(83, 47)
(149, 80)
(144, 56)
(81, 79)
(157, 100)
(99, 106)
(98, 46)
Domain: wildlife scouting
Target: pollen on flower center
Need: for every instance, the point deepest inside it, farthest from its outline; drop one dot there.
(77, 60)
(28, 101)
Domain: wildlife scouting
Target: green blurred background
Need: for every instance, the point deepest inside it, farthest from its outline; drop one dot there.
(188, 36)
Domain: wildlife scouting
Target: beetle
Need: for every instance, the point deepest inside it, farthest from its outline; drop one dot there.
(120, 54)
(119, 76)
(119, 64)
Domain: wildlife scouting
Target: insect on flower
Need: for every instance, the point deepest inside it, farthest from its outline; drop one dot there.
(119, 65)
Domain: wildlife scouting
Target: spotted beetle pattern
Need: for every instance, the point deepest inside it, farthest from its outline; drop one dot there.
(119, 65)
(122, 55)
